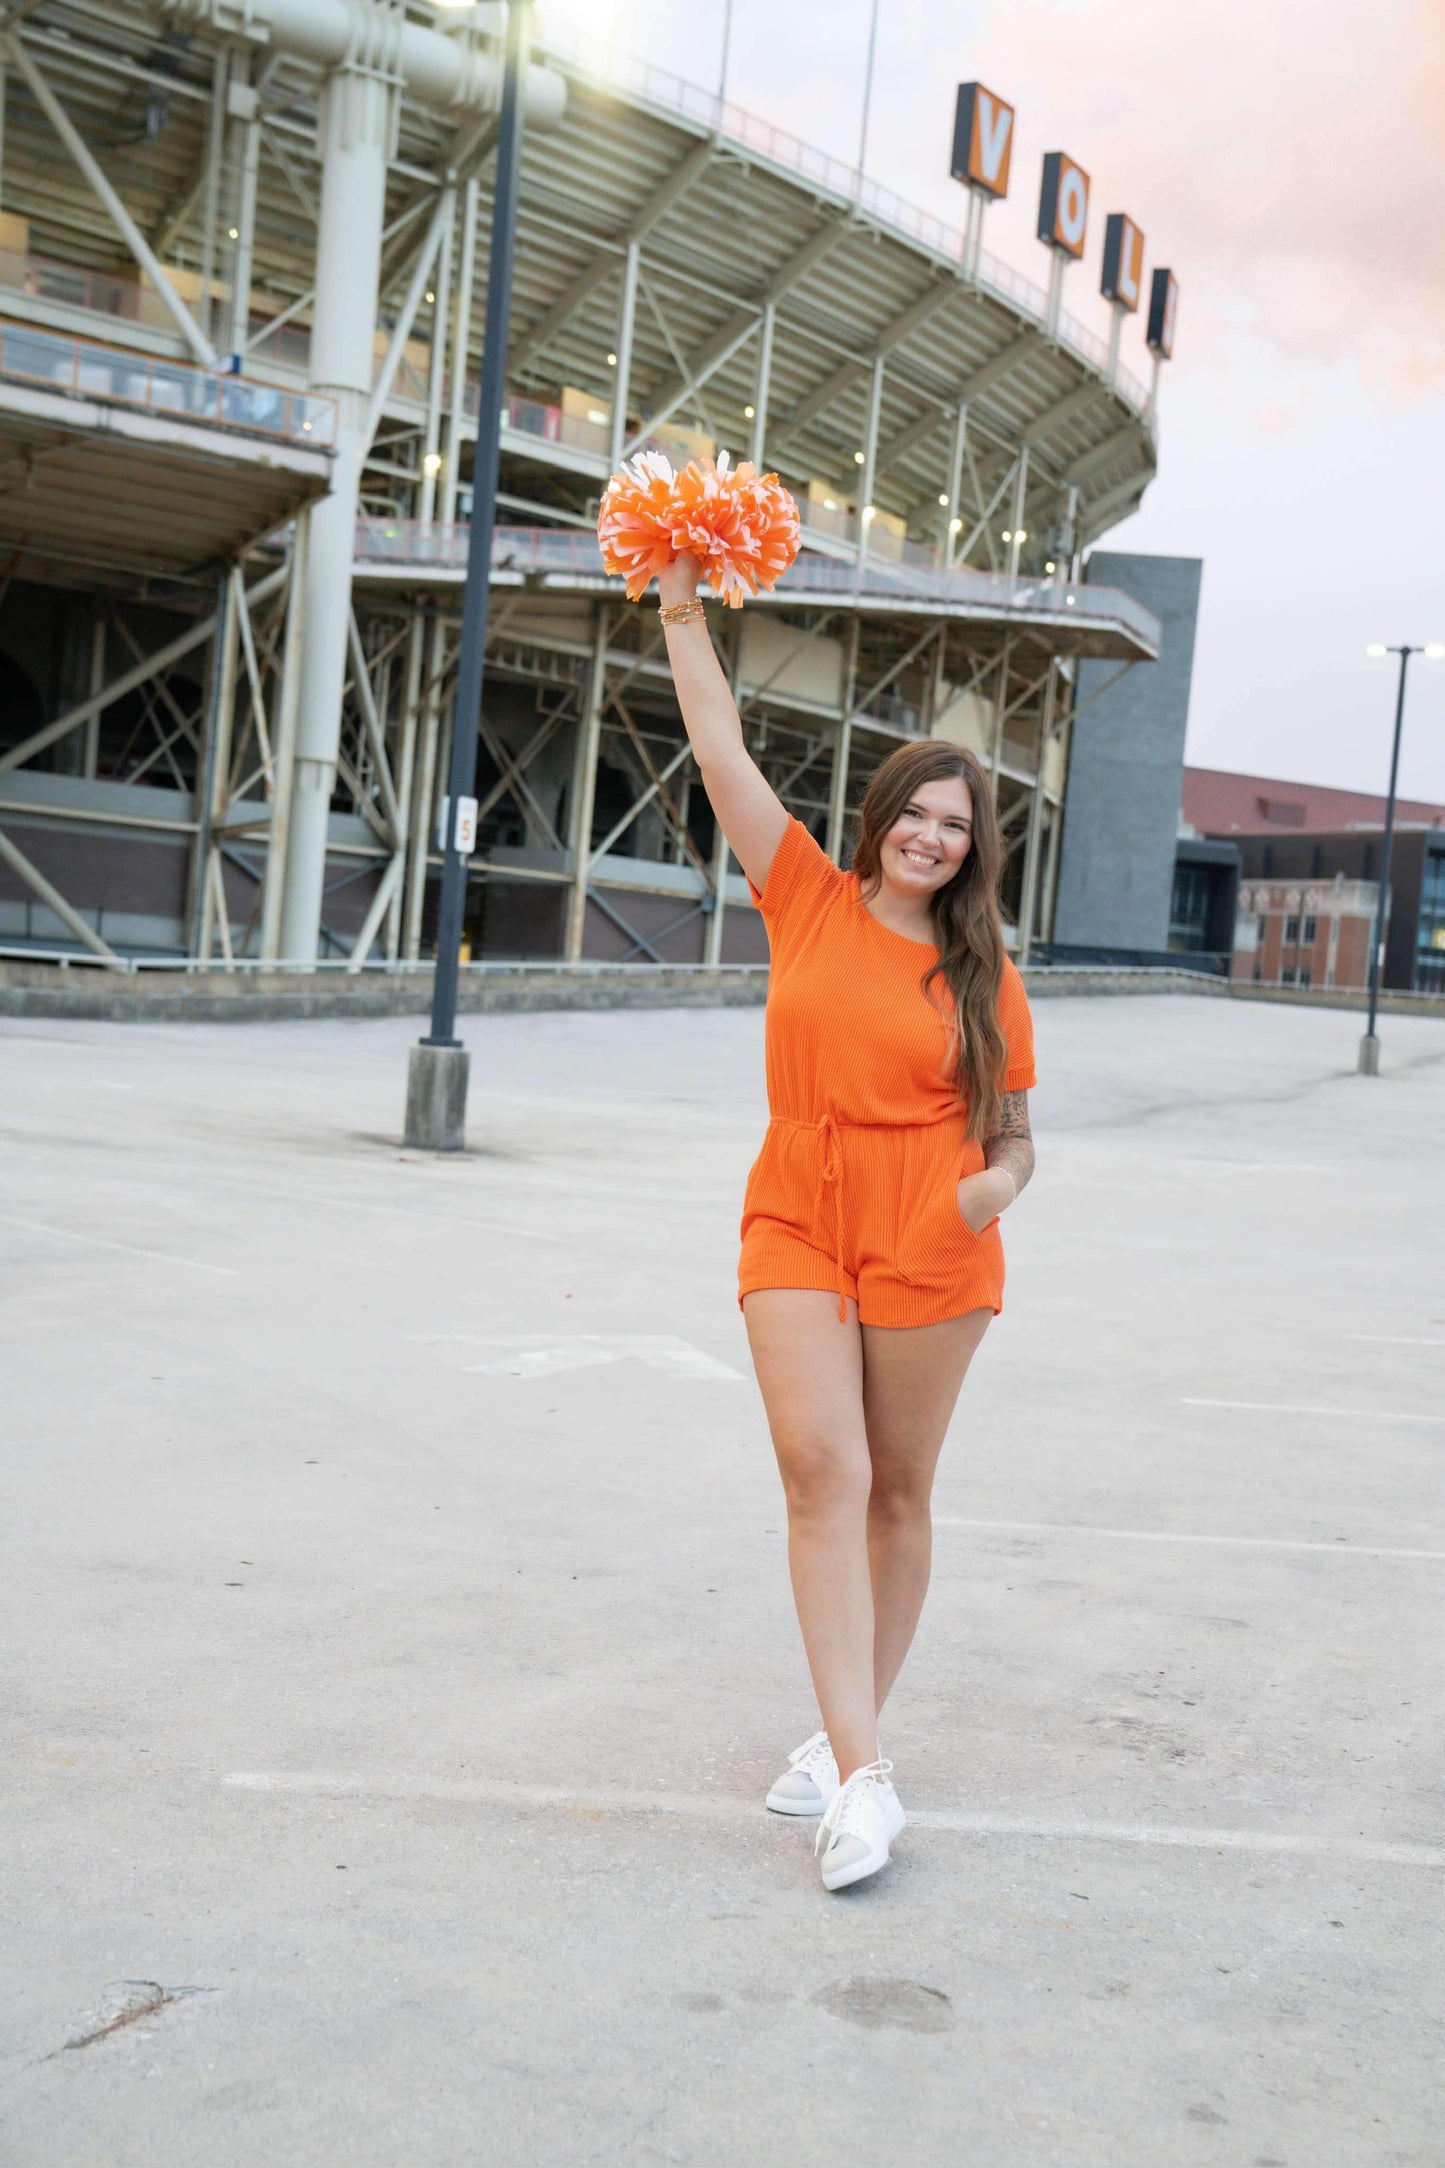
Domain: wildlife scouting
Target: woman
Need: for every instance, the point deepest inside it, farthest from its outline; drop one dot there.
(899, 1050)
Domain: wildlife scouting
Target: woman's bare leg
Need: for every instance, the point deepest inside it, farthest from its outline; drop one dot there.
(911, 1381)
(810, 1368)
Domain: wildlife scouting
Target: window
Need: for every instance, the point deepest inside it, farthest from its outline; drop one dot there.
(1304, 974)
(1291, 932)
(1308, 936)
(1317, 861)
(1430, 928)
(1189, 911)
(1286, 975)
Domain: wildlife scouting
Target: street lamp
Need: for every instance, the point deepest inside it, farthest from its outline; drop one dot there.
(1369, 1063)
(436, 1084)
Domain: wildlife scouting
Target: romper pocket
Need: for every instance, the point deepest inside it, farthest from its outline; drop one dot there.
(934, 1233)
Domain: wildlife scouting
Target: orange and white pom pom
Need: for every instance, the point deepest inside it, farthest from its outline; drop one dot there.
(741, 526)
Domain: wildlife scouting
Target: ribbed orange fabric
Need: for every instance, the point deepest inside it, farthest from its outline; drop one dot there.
(855, 1188)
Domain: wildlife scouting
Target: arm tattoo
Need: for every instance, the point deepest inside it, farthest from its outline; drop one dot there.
(1012, 1145)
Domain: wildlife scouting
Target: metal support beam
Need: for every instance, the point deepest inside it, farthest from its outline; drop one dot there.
(866, 507)
(244, 105)
(441, 220)
(461, 354)
(213, 778)
(838, 789)
(919, 311)
(287, 711)
(51, 897)
(953, 520)
(148, 667)
(583, 795)
(669, 407)
(599, 270)
(1029, 894)
(762, 389)
(437, 369)
(729, 336)
(626, 326)
(12, 48)
(1020, 510)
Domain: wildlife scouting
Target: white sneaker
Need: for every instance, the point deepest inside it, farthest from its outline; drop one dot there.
(861, 1822)
(810, 1780)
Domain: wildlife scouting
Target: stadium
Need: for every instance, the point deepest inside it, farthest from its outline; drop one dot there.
(243, 255)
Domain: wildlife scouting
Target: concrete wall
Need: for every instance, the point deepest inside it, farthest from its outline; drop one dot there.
(1126, 769)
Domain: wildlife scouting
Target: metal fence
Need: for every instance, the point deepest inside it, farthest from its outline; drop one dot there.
(117, 375)
(564, 551)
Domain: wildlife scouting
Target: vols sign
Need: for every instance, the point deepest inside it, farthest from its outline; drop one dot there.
(1064, 204)
(1123, 278)
(983, 139)
(1163, 302)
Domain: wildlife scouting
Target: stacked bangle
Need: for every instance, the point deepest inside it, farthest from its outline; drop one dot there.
(680, 613)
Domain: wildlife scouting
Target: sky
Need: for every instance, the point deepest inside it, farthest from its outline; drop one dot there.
(1286, 158)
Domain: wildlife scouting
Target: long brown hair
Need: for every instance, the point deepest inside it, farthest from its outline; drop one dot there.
(966, 914)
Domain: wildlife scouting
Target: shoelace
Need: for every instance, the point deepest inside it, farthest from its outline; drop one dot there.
(845, 1816)
(815, 1753)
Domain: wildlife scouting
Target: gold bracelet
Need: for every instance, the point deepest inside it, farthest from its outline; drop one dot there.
(680, 613)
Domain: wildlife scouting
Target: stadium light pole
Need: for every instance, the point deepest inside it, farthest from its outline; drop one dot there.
(1369, 1063)
(436, 1089)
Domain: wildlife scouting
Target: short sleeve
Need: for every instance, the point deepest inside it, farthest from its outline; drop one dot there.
(802, 882)
(1017, 1024)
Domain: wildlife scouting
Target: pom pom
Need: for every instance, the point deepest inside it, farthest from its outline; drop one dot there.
(741, 526)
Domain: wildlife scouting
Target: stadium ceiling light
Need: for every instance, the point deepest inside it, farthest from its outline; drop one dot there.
(233, 233)
(943, 496)
(1376, 649)
(1008, 534)
(612, 361)
(955, 526)
(1435, 652)
(1050, 566)
(432, 464)
(858, 458)
(748, 413)
(867, 513)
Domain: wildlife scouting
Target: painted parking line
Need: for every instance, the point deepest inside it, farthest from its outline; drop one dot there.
(698, 1806)
(102, 1242)
(1393, 1339)
(1178, 1535)
(1290, 1407)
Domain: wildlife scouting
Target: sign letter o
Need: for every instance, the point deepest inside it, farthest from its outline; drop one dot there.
(1073, 207)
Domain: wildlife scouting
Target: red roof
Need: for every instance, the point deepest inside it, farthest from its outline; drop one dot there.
(1216, 803)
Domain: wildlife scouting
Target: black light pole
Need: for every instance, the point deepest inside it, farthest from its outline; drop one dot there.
(436, 1096)
(1369, 1064)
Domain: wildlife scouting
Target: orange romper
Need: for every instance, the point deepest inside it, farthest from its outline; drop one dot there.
(856, 1184)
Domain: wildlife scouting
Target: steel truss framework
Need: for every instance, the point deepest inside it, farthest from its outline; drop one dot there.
(922, 412)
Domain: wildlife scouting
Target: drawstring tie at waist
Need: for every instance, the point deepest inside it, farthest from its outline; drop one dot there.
(831, 1176)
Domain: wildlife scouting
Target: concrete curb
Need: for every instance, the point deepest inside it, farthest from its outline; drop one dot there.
(89, 994)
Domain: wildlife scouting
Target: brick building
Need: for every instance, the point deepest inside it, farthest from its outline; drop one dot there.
(1316, 934)
(1309, 864)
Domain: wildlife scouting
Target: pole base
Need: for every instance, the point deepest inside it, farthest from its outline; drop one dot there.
(1369, 1064)
(436, 1099)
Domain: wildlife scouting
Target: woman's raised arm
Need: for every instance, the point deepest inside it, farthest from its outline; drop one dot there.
(754, 818)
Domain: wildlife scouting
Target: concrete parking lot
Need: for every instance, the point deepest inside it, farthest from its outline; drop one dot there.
(399, 1643)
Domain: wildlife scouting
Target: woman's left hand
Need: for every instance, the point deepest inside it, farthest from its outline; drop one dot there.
(982, 1196)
